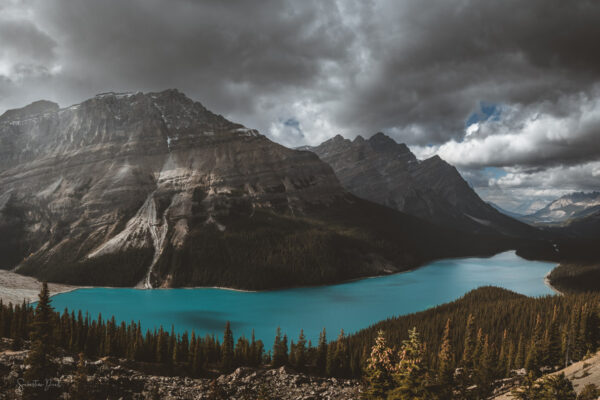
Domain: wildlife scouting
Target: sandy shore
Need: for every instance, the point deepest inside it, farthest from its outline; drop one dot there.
(547, 282)
(14, 288)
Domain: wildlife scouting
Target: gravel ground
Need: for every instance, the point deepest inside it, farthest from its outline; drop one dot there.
(14, 287)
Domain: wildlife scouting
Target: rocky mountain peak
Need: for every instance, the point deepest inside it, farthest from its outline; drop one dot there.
(337, 139)
(135, 173)
(386, 172)
(34, 109)
(381, 143)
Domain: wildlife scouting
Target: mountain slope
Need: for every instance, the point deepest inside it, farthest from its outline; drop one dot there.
(511, 214)
(155, 190)
(383, 171)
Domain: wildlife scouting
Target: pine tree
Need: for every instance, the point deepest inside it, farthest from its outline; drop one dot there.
(42, 346)
(554, 350)
(321, 357)
(197, 359)
(79, 390)
(534, 361)
(509, 359)
(300, 352)
(486, 371)
(227, 350)
(411, 373)
(341, 357)
(254, 357)
(172, 346)
(445, 373)
(184, 349)
(589, 392)
(292, 355)
(330, 362)
(557, 387)
(280, 350)
(378, 373)
(519, 357)
(470, 343)
(162, 347)
(530, 390)
(478, 348)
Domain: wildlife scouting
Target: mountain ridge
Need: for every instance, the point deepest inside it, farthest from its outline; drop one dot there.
(567, 208)
(386, 172)
(155, 190)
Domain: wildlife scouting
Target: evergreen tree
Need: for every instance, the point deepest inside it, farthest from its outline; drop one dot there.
(410, 376)
(478, 348)
(469, 343)
(172, 346)
(530, 390)
(254, 356)
(79, 390)
(321, 357)
(519, 358)
(534, 360)
(378, 373)
(280, 350)
(162, 346)
(330, 362)
(509, 359)
(292, 354)
(42, 345)
(300, 352)
(227, 350)
(341, 357)
(589, 392)
(554, 349)
(197, 358)
(486, 371)
(184, 349)
(445, 373)
(557, 387)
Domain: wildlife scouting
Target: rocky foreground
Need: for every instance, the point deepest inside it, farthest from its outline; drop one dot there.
(118, 379)
(580, 374)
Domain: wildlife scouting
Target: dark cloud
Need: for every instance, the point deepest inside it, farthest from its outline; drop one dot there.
(416, 70)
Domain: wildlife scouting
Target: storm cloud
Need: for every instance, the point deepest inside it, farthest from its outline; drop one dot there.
(303, 71)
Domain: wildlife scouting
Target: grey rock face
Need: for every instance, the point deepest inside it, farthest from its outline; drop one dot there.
(128, 174)
(386, 172)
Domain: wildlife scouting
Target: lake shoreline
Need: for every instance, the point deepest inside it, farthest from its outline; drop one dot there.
(549, 284)
(350, 306)
(14, 288)
(58, 288)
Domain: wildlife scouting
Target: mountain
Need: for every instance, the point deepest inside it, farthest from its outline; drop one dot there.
(155, 190)
(511, 214)
(388, 173)
(569, 207)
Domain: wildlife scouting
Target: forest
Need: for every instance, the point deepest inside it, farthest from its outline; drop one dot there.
(470, 343)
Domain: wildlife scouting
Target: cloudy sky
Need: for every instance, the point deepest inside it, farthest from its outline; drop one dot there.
(508, 91)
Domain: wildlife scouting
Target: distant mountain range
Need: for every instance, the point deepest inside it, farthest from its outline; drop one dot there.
(567, 208)
(386, 172)
(155, 190)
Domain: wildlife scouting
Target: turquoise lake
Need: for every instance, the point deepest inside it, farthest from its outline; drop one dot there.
(351, 306)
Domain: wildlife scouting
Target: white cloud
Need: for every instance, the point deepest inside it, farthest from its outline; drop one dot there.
(531, 135)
